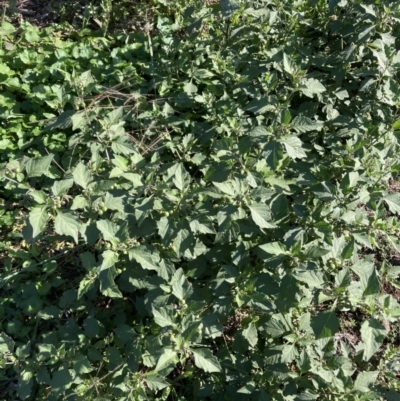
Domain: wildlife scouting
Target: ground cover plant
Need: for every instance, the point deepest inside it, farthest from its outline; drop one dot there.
(205, 208)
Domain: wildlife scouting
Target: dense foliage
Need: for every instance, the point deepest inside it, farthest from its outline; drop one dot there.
(205, 208)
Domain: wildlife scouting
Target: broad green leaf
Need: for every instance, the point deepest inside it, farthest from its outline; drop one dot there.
(250, 334)
(25, 384)
(163, 316)
(6, 344)
(181, 287)
(82, 365)
(312, 87)
(393, 202)
(38, 217)
(204, 359)
(82, 175)
(228, 7)
(168, 358)
(61, 187)
(108, 230)
(107, 275)
(156, 382)
(274, 248)
(369, 280)
(293, 147)
(261, 215)
(145, 257)
(67, 224)
(372, 335)
(325, 324)
(304, 124)
(61, 381)
(288, 64)
(260, 106)
(39, 166)
(182, 178)
(365, 380)
(314, 279)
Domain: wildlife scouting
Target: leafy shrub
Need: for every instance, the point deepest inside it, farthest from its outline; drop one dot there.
(197, 215)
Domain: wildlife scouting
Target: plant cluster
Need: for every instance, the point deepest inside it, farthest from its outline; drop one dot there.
(196, 210)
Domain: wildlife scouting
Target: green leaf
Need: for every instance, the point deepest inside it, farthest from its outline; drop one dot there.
(393, 202)
(274, 248)
(39, 166)
(368, 277)
(293, 147)
(61, 381)
(312, 87)
(108, 230)
(107, 275)
(304, 124)
(204, 359)
(250, 334)
(25, 384)
(325, 324)
(156, 382)
(261, 215)
(314, 279)
(228, 7)
(260, 106)
(67, 224)
(373, 334)
(167, 359)
(181, 287)
(60, 188)
(365, 380)
(6, 344)
(145, 257)
(82, 175)
(38, 217)
(82, 365)
(182, 178)
(163, 316)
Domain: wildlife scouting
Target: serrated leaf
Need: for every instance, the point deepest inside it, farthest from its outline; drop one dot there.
(67, 224)
(163, 316)
(168, 358)
(250, 334)
(61, 381)
(181, 178)
(7, 344)
(260, 106)
(61, 187)
(156, 382)
(312, 87)
(38, 217)
(314, 279)
(304, 124)
(393, 202)
(261, 215)
(365, 380)
(274, 248)
(325, 324)
(368, 277)
(181, 288)
(107, 275)
(38, 166)
(293, 147)
(204, 359)
(372, 335)
(108, 230)
(147, 259)
(82, 175)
